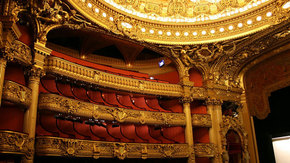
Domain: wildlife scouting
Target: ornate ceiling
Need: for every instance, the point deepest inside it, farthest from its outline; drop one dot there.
(180, 22)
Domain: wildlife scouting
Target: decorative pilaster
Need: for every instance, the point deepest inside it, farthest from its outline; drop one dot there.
(34, 73)
(186, 100)
(215, 110)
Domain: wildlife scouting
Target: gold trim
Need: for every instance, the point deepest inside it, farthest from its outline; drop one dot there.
(16, 93)
(52, 146)
(14, 143)
(61, 104)
(72, 70)
(201, 120)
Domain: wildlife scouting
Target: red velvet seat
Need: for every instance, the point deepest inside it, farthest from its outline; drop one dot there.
(129, 131)
(83, 131)
(174, 133)
(153, 103)
(66, 128)
(102, 133)
(49, 85)
(116, 133)
(48, 123)
(111, 98)
(156, 134)
(96, 97)
(172, 104)
(64, 89)
(140, 102)
(80, 93)
(142, 131)
(127, 101)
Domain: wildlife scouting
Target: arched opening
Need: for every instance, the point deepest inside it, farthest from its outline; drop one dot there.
(234, 147)
(196, 77)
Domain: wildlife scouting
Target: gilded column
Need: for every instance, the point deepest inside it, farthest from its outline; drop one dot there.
(215, 110)
(250, 129)
(187, 99)
(35, 73)
(8, 33)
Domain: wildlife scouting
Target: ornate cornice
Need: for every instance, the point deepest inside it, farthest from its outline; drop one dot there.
(75, 71)
(15, 143)
(35, 73)
(213, 101)
(52, 146)
(69, 106)
(16, 93)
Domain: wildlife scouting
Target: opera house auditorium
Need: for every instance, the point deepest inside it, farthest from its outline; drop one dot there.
(157, 81)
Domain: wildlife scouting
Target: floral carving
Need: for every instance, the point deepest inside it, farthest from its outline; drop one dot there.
(19, 51)
(204, 150)
(16, 93)
(201, 120)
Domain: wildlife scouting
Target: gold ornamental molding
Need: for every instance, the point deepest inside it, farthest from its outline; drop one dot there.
(65, 105)
(205, 150)
(52, 146)
(15, 143)
(75, 71)
(19, 52)
(169, 24)
(201, 120)
(16, 93)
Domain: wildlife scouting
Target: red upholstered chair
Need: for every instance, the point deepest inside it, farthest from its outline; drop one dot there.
(127, 101)
(64, 89)
(80, 93)
(141, 103)
(49, 85)
(116, 132)
(48, 123)
(153, 103)
(172, 104)
(83, 131)
(129, 131)
(111, 98)
(142, 131)
(66, 128)
(174, 133)
(96, 97)
(156, 134)
(101, 132)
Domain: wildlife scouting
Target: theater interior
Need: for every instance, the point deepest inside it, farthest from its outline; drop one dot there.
(159, 81)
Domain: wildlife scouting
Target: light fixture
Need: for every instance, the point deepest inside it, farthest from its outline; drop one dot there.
(194, 33)
(212, 31)
(161, 63)
(151, 31)
(249, 21)
(90, 5)
(160, 32)
(177, 33)
(269, 14)
(240, 25)
(185, 33)
(168, 33)
(203, 32)
(97, 10)
(231, 27)
(111, 19)
(259, 18)
(104, 14)
(143, 29)
(286, 5)
(222, 29)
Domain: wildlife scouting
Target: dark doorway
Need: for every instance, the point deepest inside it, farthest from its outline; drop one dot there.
(277, 124)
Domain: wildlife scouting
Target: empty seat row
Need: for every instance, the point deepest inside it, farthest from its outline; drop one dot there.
(49, 125)
(138, 102)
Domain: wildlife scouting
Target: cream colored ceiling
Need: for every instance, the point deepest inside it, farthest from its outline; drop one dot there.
(180, 22)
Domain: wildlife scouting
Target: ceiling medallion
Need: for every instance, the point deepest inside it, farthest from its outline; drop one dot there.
(181, 22)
